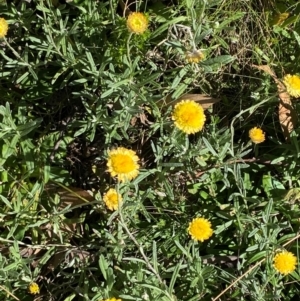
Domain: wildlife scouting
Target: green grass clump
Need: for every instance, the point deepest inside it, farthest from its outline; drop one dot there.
(77, 85)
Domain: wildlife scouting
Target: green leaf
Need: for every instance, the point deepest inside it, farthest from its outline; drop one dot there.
(232, 17)
(24, 129)
(113, 88)
(20, 79)
(172, 164)
(148, 80)
(70, 298)
(209, 146)
(268, 211)
(252, 248)
(103, 265)
(169, 189)
(9, 149)
(179, 77)
(285, 238)
(179, 91)
(267, 183)
(165, 26)
(79, 81)
(174, 277)
(91, 60)
(201, 35)
(146, 285)
(5, 201)
(11, 266)
(219, 60)
(223, 227)
(154, 256)
(289, 21)
(277, 160)
(183, 249)
(19, 232)
(257, 257)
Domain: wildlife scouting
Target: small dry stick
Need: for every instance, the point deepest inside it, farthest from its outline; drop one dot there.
(252, 268)
(122, 222)
(141, 250)
(46, 247)
(9, 293)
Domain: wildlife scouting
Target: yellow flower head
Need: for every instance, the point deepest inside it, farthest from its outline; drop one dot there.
(33, 288)
(188, 116)
(112, 199)
(292, 83)
(137, 23)
(112, 299)
(3, 28)
(285, 262)
(122, 163)
(200, 229)
(257, 135)
(194, 57)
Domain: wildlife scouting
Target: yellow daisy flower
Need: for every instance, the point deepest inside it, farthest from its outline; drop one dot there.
(194, 57)
(257, 135)
(292, 83)
(137, 23)
(3, 28)
(33, 288)
(200, 229)
(112, 299)
(112, 199)
(122, 163)
(285, 262)
(188, 116)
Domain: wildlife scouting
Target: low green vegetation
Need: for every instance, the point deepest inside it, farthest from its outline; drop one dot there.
(149, 150)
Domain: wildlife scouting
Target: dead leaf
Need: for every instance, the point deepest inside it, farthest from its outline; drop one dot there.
(29, 252)
(266, 69)
(54, 261)
(286, 111)
(70, 195)
(125, 8)
(287, 116)
(143, 117)
(205, 100)
(133, 121)
(66, 255)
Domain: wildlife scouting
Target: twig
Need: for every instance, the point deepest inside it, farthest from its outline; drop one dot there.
(125, 8)
(149, 265)
(141, 250)
(252, 268)
(37, 246)
(251, 110)
(59, 140)
(9, 293)
(250, 160)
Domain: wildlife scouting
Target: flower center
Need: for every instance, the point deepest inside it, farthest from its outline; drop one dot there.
(198, 229)
(113, 198)
(189, 117)
(137, 23)
(122, 163)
